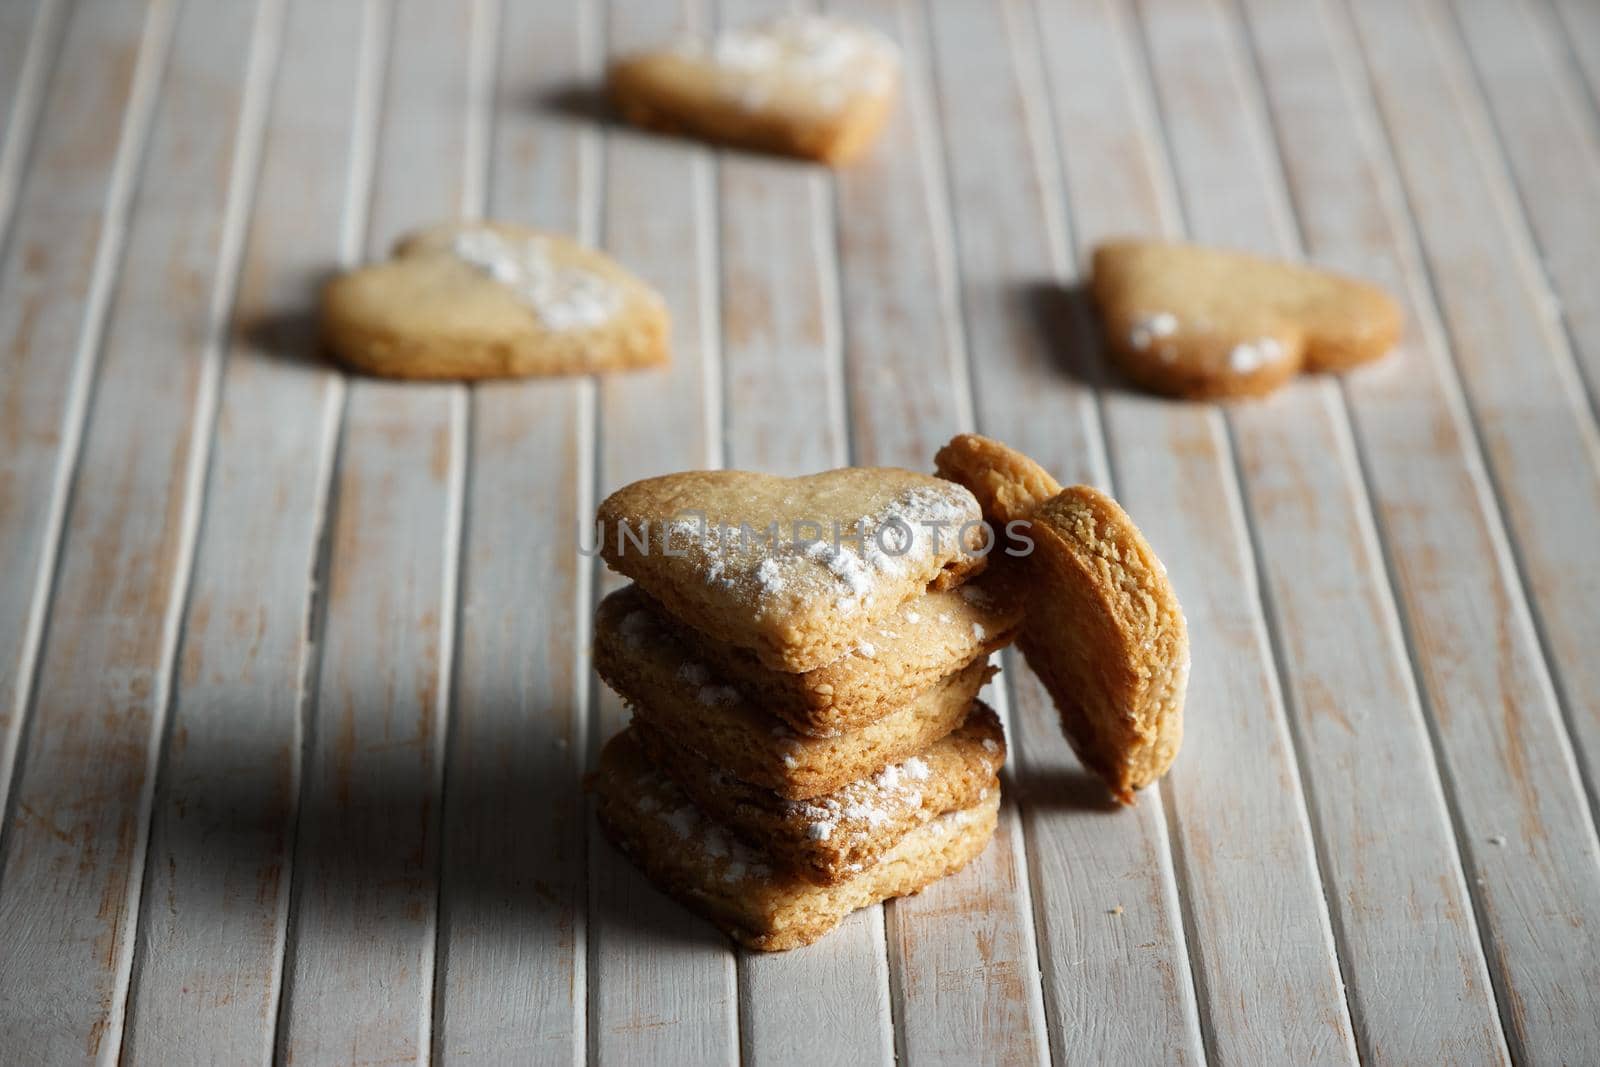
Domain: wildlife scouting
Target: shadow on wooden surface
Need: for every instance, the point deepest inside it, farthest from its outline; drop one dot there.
(289, 333)
(1064, 316)
(1062, 790)
(579, 101)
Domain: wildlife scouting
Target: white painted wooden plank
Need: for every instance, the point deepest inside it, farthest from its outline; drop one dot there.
(1536, 425)
(1580, 22)
(30, 40)
(780, 334)
(962, 954)
(211, 932)
(359, 973)
(1116, 982)
(1539, 440)
(662, 985)
(1416, 989)
(1244, 853)
(59, 258)
(828, 1003)
(25, 27)
(1552, 148)
(511, 956)
(1526, 840)
(69, 891)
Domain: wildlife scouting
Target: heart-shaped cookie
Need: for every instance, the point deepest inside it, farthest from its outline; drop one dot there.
(491, 300)
(1101, 625)
(1206, 323)
(798, 569)
(804, 85)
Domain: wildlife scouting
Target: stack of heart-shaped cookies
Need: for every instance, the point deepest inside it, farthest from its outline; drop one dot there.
(803, 659)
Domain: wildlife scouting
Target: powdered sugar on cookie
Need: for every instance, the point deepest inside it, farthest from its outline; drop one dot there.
(1244, 358)
(843, 568)
(893, 793)
(830, 59)
(564, 297)
(1148, 328)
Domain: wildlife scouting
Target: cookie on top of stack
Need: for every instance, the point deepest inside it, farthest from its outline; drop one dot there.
(803, 658)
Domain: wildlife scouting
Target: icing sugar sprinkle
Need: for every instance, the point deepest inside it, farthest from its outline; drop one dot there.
(1247, 357)
(635, 626)
(563, 297)
(978, 631)
(682, 821)
(827, 57)
(892, 793)
(914, 527)
(867, 649)
(1149, 327)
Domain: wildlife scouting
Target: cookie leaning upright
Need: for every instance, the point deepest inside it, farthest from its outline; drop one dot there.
(1102, 626)
(803, 85)
(1207, 323)
(491, 300)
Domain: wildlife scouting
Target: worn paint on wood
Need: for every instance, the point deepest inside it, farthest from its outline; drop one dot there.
(366, 861)
(73, 862)
(223, 830)
(511, 961)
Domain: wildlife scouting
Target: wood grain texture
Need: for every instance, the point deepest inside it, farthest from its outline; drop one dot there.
(511, 955)
(663, 985)
(963, 962)
(69, 891)
(362, 925)
(211, 931)
(1522, 822)
(24, 28)
(1236, 780)
(1551, 144)
(1580, 24)
(59, 256)
(1534, 421)
(1359, 726)
(1116, 984)
(30, 40)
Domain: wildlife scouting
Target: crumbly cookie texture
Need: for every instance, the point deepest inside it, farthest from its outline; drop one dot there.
(800, 570)
(803, 84)
(759, 905)
(1007, 484)
(637, 655)
(1102, 626)
(1206, 323)
(928, 638)
(832, 838)
(473, 300)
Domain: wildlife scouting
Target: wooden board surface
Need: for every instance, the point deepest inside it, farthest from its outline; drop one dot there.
(295, 702)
